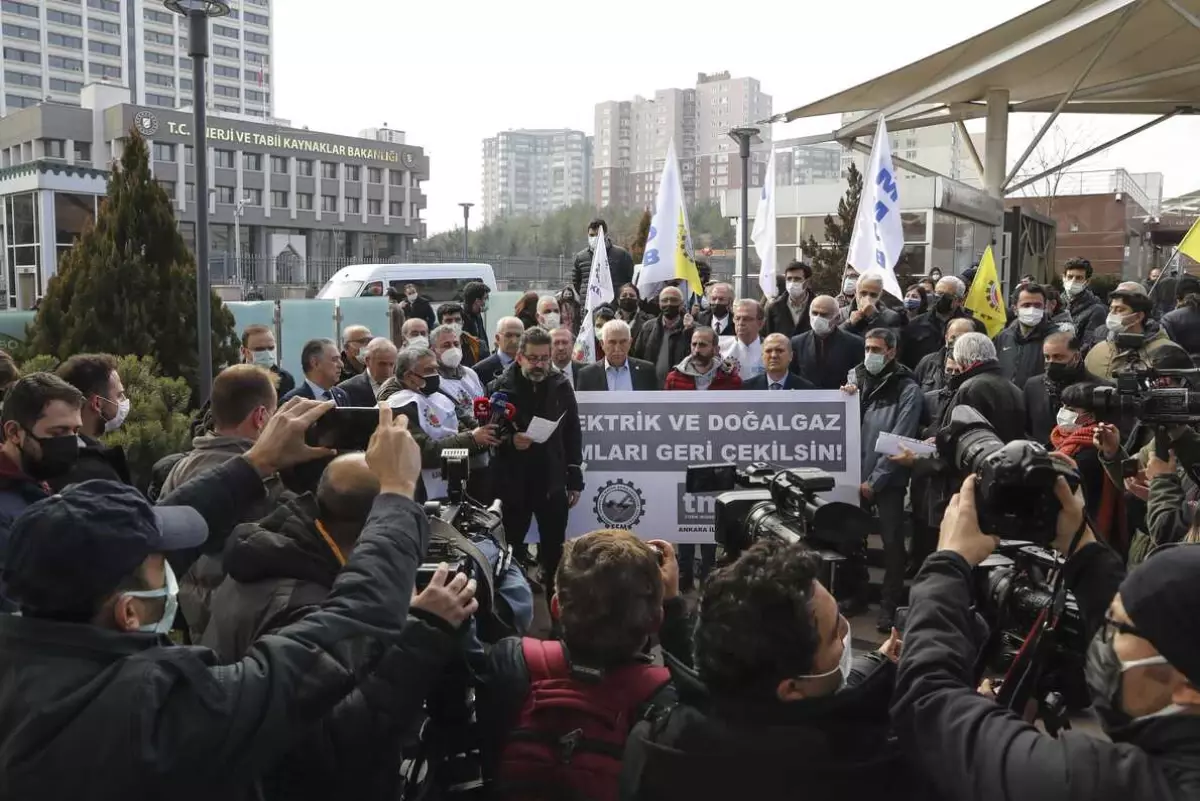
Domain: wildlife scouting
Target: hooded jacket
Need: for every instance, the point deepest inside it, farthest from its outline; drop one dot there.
(892, 403)
(1105, 360)
(1019, 353)
(720, 374)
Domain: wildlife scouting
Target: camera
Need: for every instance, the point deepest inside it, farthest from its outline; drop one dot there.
(1015, 491)
(1140, 394)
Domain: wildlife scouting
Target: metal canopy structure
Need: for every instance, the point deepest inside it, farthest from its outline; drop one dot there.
(1063, 57)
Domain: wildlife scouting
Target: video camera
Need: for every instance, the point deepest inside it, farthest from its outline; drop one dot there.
(1138, 394)
(1015, 491)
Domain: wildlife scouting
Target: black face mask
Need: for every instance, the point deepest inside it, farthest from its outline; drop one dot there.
(1063, 374)
(720, 311)
(1102, 672)
(943, 303)
(628, 304)
(432, 382)
(59, 455)
(670, 312)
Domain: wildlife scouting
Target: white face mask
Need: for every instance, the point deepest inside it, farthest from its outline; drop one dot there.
(452, 358)
(593, 240)
(849, 285)
(875, 362)
(411, 296)
(1067, 417)
(264, 358)
(1073, 288)
(550, 321)
(795, 288)
(170, 591)
(1115, 323)
(820, 325)
(1030, 315)
(123, 407)
(845, 663)
(418, 342)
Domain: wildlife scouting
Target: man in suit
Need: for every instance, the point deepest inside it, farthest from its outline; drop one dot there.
(380, 358)
(826, 354)
(508, 342)
(718, 317)
(562, 348)
(618, 372)
(1062, 351)
(777, 359)
(322, 366)
(355, 338)
(258, 347)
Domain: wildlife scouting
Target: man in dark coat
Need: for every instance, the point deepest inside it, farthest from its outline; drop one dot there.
(666, 340)
(1087, 310)
(507, 343)
(777, 363)
(1019, 346)
(931, 370)
(926, 333)
(826, 354)
(322, 370)
(379, 357)
(620, 263)
(719, 315)
(475, 301)
(258, 347)
(414, 304)
(354, 340)
(1183, 324)
(869, 311)
(1064, 368)
(105, 407)
(788, 313)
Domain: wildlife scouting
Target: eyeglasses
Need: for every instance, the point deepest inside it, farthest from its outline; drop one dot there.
(536, 359)
(1112, 627)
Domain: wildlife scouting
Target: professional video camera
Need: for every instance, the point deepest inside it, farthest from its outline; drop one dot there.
(1015, 491)
(1141, 394)
(783, 505)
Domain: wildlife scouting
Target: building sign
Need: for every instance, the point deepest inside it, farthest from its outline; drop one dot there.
(284, 142)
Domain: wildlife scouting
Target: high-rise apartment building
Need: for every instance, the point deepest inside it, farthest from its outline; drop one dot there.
(799, 164)
(52, 48)
(940, 148)
(722, 104)
(535, 172)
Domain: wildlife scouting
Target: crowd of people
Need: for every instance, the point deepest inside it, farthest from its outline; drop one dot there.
(262, 622)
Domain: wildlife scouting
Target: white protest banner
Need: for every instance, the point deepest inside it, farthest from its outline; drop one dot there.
(638, 445)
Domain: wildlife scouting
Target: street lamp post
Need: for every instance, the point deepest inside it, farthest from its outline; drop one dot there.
(238, 209)
(466, 207)
(744, 137)
(198, 13)
(537, 254)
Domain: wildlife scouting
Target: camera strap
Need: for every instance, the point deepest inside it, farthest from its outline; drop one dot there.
(465, 545)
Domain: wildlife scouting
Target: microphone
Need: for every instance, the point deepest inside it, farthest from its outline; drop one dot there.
(483, 410)
(501, 410)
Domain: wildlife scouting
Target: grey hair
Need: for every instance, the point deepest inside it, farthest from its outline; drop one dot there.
(748, 301)
(869, 278)
(545, 298)
(614, 325)
(504, 320)
(377, 344)
(407, 360)
(406, 329)
(887, 335)
(974, 348)
(960, 289)
(441, 329)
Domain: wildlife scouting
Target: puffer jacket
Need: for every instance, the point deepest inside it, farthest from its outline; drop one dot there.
(1183, 327)
(1019, 352)
(891, 403)
(1087, 313)
(620, 267)
(721, 375)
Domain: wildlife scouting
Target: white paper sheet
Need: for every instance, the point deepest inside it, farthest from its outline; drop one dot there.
(893, 445)
(540, 429)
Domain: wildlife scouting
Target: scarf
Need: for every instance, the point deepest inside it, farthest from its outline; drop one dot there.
(1110, 521)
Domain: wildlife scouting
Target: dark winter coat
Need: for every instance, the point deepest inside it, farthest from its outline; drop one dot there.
(780, 320)
(1020, 353)
(925, 334)
(930, 372)
(17, 491)
(649, 341)
(1087, 313)
(826, 362)
(890, 403)
(421, 308)
(552, 466)
(1183, 327)
(96, 461)
(93, 713)
(620, 267)
(884, 318)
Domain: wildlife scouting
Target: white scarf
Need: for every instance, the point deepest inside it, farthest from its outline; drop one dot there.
(438, 420)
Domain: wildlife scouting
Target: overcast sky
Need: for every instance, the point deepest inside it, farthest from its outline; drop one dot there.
(452, 73)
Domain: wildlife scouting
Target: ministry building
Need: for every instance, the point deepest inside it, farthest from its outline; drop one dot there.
(287, 205)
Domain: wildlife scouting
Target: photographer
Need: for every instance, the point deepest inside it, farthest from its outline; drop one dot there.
(1143, 667)
(776, 706)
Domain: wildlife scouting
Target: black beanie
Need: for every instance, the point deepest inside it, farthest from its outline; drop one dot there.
(1162, 598)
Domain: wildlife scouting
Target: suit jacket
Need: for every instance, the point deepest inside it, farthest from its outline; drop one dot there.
(489, 369)
(790, 381)
(593, 378)
(840, 352)
(358, 390)
(706, 318)
(305, 391)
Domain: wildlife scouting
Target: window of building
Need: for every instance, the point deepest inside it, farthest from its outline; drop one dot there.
(304, 201)
(279, 165)
(375, 207)
(255, 96)
(396, 177)
(257, 19)
(189, 154)
(329, 202)
(396, 208)
(151, 15)
(62, 40)
(166, 59)
(329, 169)
(189, 191)
(221, 90)
(55, 148)
(105, 70)
(83, 151)
(63, 18)
(227, 52)
(353, 172)
(185, 84)
(22, 79)
(68, 87)
(225, 30)
(353, 205)
(24, 9)
(257, 38)
(414, 211)
(223, 158)
(225, 195)
(252, 161)
(108, 48)
(64, 63)
(20, 101)
(304, 167)
(162, 101)
(168, 187)
(164, 151)
(158, 79)
(374, 175)
(253, 197)
(25, 56)
(255, 58)
(154, 37)
(21, 32)
(226, 71)
(105, 5)
(229, 108)
(104, 26)
(279, 199)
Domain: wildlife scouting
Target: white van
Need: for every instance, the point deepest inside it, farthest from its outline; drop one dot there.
(438, 282)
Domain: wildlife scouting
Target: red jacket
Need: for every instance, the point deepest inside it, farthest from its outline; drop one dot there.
(723, 379)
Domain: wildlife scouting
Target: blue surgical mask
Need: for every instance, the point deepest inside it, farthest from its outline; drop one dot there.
(170, 591)
(265, 358)
(912, 304)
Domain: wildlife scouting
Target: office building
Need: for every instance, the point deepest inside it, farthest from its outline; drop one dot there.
(53, 48)
(798, 164)
(535, 172)
(292, 205)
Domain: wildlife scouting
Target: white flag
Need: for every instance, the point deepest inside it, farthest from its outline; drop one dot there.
(668, 253)
(599, 292)
(763, 235)
(878, 238)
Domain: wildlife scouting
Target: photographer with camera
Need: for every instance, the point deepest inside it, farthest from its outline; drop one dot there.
(1143, 669)
(1132, 335)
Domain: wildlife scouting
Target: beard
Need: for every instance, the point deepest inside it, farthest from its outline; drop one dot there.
(534, 374)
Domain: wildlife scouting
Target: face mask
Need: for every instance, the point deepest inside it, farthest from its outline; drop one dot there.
(593, 241)
(845, 663)
(912, 304)
(452, 358)
(432, 382)
(59, 455)
(1060, 374)
(551, 320)
(848, 286)
(1115, 323)
(820, 325)
(1067, 417)
(628, 304)
(418, 342)
(1103, 672)
(1030, 315)
(412, 296)
(943, 303)
(795, 288)
(170, 591)
(264, 358)
(1073, 288)
(123, 407)
(720, 311)
(875, 362)
(670, 312)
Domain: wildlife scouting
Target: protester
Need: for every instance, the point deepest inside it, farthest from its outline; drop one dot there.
(744, 350)
(869, 311)
(845, 299)
(916, 301)
(620, 263)
(379, 358)
(105, 408)
(628, 311)
(1064, 367)
(417, 305)
(617, 371)
(415, 333)
(526, 308)
(258, 347)
(666, 340)
(451, 314)
(776, 700)
(41, 421)
(925, 333)
(569, 308)
(788, 313)
(777, 362)
(825, 355)
(1183, 324)
(1056, 310)
(930, 372)
(562, 353)
(322, 371)
(508, 340)
(1087, 311)
(720, 304)
(461, 384)
(1019, 346)
(475, 303)
(548, 317)
(1074, 435)
(354, 339)
(1128, 313)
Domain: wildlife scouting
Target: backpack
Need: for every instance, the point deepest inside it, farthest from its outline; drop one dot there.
(570, 734)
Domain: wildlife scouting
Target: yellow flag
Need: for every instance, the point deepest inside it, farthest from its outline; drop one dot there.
(685, 264)
(984, 299)
(1190, 246)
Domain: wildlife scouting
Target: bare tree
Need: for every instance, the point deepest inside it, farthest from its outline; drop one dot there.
(1056, 147)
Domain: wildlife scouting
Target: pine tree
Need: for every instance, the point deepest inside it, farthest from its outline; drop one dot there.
(637, 247)
(829, 258)
(128, 286)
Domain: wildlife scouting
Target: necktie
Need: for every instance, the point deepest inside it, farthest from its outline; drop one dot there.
(327, 396)
(776, 385)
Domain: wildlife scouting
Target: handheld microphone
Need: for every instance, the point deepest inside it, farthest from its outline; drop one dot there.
(483, 410)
